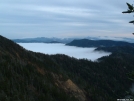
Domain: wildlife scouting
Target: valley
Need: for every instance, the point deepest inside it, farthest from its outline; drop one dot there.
(72, 51)
(27, 75)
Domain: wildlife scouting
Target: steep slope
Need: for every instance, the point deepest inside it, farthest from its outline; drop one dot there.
(115, 49)
(30, 76)
(27, 76)
(98, 43)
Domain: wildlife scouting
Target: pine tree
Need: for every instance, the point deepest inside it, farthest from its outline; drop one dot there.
(130, 10)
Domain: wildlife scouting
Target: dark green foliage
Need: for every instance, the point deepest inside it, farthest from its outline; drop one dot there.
(130, 10)
(117, 49)
(104, 80)
(107, 79)
(130, 7)
(98, 43)
(20, 80)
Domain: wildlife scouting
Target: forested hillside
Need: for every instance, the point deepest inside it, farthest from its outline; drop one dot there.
(98, 43)
(30, 76)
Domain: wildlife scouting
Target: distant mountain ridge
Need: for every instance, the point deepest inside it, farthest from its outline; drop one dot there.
(31, 76)
(43, 40)
(68, 40)
(98, 43)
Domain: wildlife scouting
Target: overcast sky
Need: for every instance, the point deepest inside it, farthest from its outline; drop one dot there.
(65, 18)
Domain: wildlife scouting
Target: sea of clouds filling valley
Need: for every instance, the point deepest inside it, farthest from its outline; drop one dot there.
(59, 48)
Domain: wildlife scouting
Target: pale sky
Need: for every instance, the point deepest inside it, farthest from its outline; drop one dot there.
(64, 18)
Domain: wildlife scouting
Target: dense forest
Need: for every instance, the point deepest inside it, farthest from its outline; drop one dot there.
(30, 76)
(98, 43)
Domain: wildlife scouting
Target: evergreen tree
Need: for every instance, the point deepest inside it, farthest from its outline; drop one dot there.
(130, 10)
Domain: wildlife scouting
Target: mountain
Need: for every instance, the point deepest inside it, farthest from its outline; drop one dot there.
(43, 39)
(117, 49)
(54, 42)
(30, 76)
(130, 40)
(98, 43)
(68, 40)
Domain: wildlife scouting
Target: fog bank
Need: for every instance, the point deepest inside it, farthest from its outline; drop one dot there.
(58, 48)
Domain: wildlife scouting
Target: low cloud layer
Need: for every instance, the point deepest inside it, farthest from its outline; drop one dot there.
(71, 51)
(39, 18)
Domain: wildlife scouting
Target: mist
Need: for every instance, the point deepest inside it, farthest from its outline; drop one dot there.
(58, 48)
